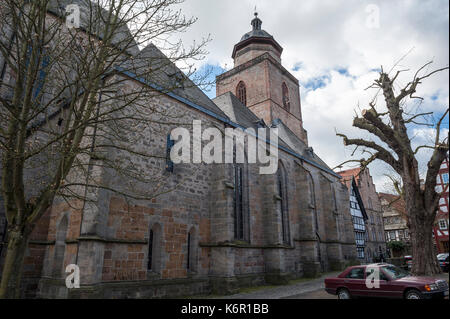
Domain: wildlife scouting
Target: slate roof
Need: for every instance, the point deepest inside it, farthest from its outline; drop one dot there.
(243, 116)
(236, 111)
(165, 74)
(295, 143)
(90, 22)
(256, 33)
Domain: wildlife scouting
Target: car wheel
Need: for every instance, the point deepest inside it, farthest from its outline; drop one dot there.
(343, 294)
(413, 294)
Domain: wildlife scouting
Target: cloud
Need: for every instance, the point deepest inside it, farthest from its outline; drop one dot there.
(329, 46)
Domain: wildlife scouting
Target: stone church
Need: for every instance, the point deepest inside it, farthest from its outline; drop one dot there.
(226, 226)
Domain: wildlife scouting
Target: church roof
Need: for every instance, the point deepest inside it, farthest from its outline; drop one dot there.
(236, 111)
(92, 17)
(256, 33)
(165, 74)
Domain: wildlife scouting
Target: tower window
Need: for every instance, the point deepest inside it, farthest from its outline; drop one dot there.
(241, 93)
(286, 101)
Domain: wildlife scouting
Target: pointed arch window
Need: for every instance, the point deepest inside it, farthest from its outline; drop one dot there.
(238, 203)
(286, 100)
(154, 249)
(191, 263)
(282, 193)
(60, 247)
(241, 92)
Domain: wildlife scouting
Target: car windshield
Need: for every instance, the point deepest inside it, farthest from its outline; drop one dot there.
(395, 272)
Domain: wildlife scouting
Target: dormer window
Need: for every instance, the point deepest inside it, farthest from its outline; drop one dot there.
(286, 101)
(241, 93)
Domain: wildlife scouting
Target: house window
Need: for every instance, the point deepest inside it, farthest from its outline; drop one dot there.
(442, 224)
(360, 252)
(392, 235)
(286, 100)
(241, 93)
(445, 178)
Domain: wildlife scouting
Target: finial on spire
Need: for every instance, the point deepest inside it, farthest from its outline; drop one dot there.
(256, 22)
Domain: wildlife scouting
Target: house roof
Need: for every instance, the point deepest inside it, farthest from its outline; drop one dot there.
(394, 201)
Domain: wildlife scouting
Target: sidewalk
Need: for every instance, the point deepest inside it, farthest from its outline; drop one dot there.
(309, 285)
(308, 289)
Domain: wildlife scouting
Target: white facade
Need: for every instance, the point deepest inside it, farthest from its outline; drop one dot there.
(358, 225)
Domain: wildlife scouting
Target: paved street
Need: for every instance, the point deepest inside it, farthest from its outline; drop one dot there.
(310, 289)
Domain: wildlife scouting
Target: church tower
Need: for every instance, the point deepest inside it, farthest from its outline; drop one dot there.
(260, 81)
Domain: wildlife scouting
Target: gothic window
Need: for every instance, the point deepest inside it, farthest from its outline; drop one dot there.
(238, 203)
(282, 193)
(154, 249)
(286, 100)
(191, 251)
(312, 196)
(150, 250)
(60, 247)
(241, 92)
(188, 264)
(333, 193)
(169, 146)
(312, 199)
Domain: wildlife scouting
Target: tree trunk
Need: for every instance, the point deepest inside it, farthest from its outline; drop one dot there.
(424, 261)
(13, 265)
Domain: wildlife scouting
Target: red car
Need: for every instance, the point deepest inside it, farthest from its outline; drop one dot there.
(384, 281)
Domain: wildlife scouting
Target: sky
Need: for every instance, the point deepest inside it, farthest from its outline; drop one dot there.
(336, 49)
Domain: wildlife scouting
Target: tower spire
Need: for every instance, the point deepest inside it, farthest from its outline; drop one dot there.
(256, 22)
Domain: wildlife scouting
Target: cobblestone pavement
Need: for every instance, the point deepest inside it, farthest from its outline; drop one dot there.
(311, 289)
(296, 289)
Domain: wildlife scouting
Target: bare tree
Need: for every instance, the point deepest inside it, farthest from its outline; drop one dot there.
(65, 107)
(395, 149)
